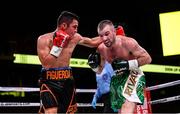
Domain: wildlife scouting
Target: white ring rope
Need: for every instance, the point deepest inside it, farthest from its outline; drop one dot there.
(86, 90)
(27, 104)
(164, 100)
(173, 83)
(29, 89)
(25, 89)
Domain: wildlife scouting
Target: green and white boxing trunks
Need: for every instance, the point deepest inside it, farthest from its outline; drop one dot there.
(127, 86)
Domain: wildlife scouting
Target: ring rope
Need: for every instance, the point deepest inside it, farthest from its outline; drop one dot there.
(27, 104)
(164, 100)
(30, 89)
(25, 89)
(173, 83)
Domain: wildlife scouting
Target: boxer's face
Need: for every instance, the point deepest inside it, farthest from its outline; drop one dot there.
(108, 35)
(72, 28)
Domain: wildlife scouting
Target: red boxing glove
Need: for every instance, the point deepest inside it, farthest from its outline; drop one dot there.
(59, 41)
(120, 31)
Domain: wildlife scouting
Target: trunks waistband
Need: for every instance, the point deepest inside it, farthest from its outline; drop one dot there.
(56, 74)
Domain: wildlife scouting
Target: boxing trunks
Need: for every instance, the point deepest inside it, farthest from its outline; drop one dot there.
(58, 90)
(129, 86)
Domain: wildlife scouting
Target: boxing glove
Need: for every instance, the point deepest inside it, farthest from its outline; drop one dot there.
(60, 39)
(94, 61)
(120, 31)
(120, 66)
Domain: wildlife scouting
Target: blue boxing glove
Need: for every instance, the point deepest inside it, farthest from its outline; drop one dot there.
(93, 103)
(120, 66)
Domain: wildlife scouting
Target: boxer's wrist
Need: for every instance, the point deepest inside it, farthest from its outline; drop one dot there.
(133, 64)
(55, 51)
(95, 69)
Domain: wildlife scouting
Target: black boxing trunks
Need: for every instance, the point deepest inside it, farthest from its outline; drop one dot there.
(58, 90)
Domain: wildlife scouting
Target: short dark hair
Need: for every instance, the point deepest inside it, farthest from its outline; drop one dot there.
(103, 23)
(66, 17)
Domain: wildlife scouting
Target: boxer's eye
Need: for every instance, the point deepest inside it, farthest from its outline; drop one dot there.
(101, 36)
(107, 33)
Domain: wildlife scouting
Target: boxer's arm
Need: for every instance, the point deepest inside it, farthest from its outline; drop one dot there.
(43, 50)
(142, 56)
(89, 42)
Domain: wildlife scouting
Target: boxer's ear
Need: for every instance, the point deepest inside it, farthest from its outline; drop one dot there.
(64, 26)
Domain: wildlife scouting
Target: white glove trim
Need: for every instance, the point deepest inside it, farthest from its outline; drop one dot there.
(133, 64)
(95, 69)
(55, 51)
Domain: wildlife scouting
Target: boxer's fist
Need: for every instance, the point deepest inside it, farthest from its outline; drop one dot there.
(120, 31)
(120, 66)
(94, 61)
(60, 40)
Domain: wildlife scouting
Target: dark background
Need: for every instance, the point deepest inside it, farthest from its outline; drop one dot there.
(22, 22)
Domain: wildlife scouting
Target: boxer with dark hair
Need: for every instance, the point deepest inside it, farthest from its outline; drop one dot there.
(57, 92)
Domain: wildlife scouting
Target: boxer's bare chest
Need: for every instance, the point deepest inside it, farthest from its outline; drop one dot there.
(120, 52)
(65, 56)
